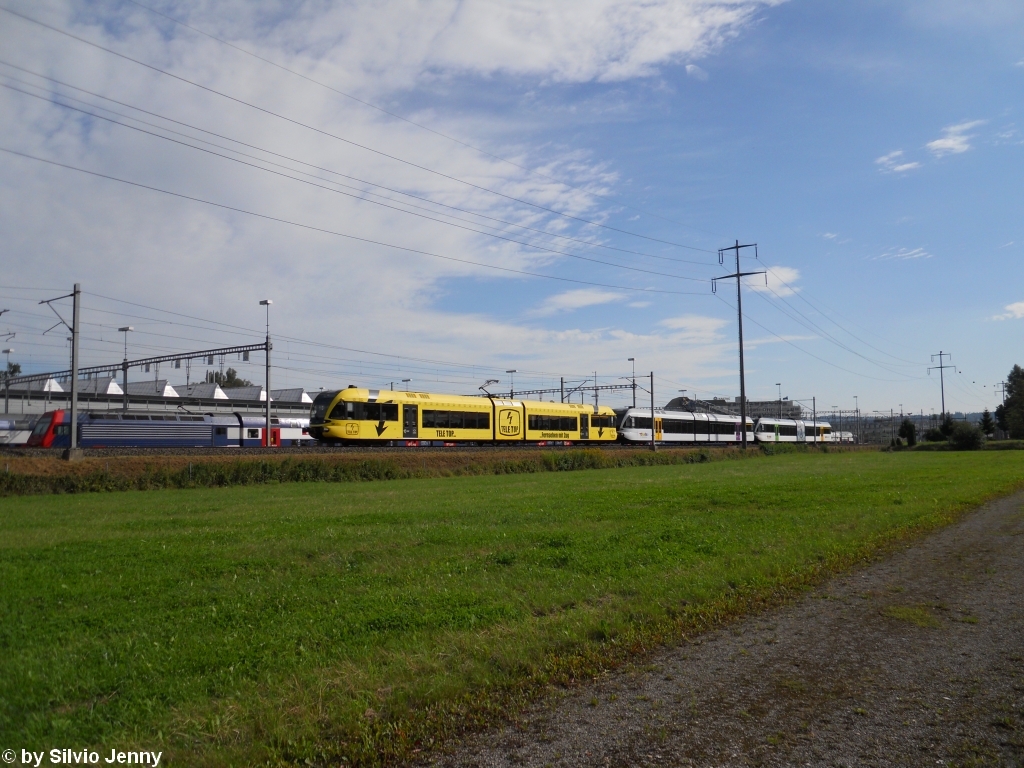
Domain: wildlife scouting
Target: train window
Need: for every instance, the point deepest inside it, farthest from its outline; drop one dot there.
(365, 411)
(252, 433)
(608, 422)
(701, 428)
(62, 429)
(641, 422)
(42, 426)
(222, 430)
(321, 404)
(677, 426)
(553, 423)
(456, 420)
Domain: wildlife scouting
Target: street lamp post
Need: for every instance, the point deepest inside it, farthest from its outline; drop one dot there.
(633, 361)
(406, 382)
(266, 303)
(124, 365)
(512, 383)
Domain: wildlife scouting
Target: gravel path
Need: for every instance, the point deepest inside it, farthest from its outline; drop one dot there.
(915, 660)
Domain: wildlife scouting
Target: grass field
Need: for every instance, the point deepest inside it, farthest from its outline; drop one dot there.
(280, 623)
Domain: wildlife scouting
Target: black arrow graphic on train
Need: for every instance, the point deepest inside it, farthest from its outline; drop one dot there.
(380, 428)
(600, 431)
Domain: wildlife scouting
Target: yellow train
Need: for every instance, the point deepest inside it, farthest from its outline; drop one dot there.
(384, 417)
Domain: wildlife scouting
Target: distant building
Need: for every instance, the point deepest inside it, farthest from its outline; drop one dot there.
(255, 393)
(105, 385)
(202, 390)
(756, 409)
(39, 385)
(771, 409)
(158, 388)
(297, 395)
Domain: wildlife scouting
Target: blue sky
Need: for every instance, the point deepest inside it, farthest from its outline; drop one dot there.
(874, 153)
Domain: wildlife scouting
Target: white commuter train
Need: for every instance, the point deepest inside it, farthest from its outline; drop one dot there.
(684, 427)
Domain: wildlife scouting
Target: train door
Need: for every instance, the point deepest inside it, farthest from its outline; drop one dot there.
(801, 432)
(659, 425)
(584, 426)
(410, 421)
(275, 437)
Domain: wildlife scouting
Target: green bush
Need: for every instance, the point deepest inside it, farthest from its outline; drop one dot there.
(934, 435)
(965, 436)
(908, 431)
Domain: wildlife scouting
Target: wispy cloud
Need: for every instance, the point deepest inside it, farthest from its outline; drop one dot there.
(902, 254)
(893, 163)
(781, 281)
(576, 299)
(1014, 311)
(781, 339)
(830, 235)
(955, 139)
(694, 328)
(696, 72)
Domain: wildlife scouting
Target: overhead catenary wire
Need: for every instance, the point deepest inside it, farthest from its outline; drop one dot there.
(350, 142)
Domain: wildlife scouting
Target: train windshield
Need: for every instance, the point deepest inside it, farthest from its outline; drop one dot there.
(321, 404)
(42, 425)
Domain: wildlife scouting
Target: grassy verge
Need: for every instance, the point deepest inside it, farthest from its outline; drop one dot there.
(357, 623)
(51, 475)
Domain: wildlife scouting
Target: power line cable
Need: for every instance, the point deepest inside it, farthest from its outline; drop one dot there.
(811, 326)
(395, 115)
(825, 314)
(809, 354)
(589, 243)
(358, 197)
(342, 139)
(342, 234)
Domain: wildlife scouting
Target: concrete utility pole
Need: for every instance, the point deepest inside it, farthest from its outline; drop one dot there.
(814, 416)
(1002, 389)
(779, 385)
(942, 382)
(266, 303)
(512, 383)
(739, 315)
